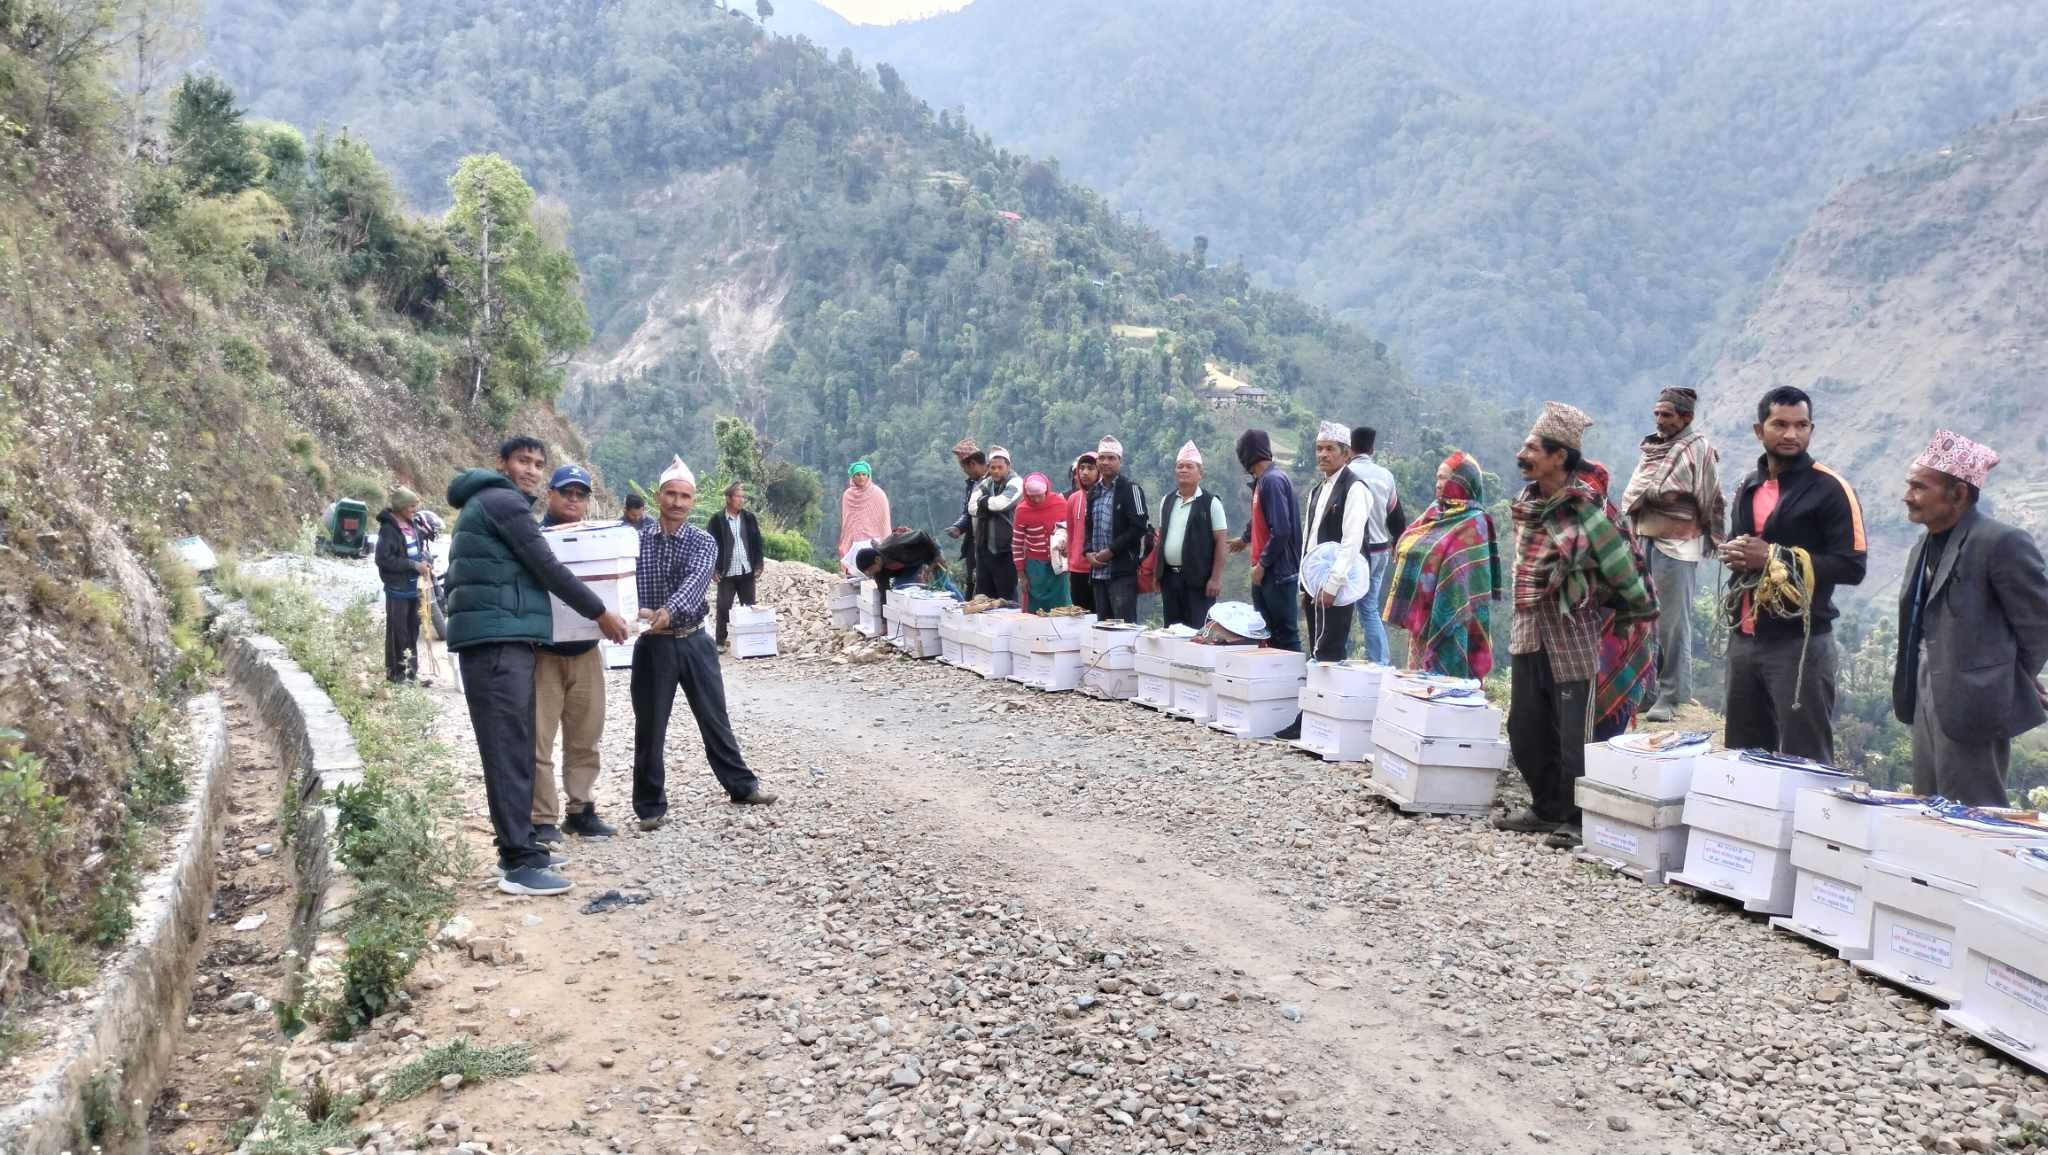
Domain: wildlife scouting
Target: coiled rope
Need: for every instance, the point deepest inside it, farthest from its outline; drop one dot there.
(1782, 589)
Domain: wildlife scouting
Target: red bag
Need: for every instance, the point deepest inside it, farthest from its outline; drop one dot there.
(1148, 563)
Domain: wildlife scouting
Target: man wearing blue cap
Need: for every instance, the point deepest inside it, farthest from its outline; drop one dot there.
(568, 695)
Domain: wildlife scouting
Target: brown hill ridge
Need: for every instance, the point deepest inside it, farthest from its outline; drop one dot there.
(1916, 298)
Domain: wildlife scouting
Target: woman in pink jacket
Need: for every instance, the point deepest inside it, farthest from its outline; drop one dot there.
(1083, 477)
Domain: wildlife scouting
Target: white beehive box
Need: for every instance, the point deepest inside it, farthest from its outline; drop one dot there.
(1109, 684)
(842, 603)
(1348, 679)
(1193, 697)
(1420, 789)
(2015, 880)
(1728, 775)
(1335, 739)
(922, 617)
(985, 643)
(1832, 833)
(1338, 706)
(1065, 631)
(1111, 646)
(1913, 930)
(1401, 704)
(607, 559)
(1053, 669)
(1637, 834)
(868, 613)
(2004, 987)
(1160, 644)
(1254, 707)
(617, 655)
(752, 632)
(1740, 851)
(1927, 844)
(952, 631)
(1651, 775)
(1431, 750)
(1258, 664)
(1154, 690)
(1829, 903)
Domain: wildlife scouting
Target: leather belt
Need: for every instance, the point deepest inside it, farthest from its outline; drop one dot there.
(682, 633)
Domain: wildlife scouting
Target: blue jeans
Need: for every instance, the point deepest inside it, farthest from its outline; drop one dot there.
(1274, 599)
(1370, 624)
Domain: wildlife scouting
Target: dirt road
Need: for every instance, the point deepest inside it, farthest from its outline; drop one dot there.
(984, 918)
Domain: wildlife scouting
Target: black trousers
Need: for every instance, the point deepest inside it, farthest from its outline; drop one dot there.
(1763, 678)
(1116, 598)
(1083, 590)
(661, 664)
(1184, 597)
(969, 561)
(1547, 735)
(1274, 598)
(497, 682)
(401, 638)
(995, 574)
(1327, 629)
(728, 587)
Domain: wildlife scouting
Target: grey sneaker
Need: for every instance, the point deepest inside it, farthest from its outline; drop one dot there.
(548, 835)
(1661, 712)
(650, 825)
(533, 880)
(554, 861)
(754, 797)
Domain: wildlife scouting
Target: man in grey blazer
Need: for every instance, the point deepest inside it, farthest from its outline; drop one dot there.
(1973, 629)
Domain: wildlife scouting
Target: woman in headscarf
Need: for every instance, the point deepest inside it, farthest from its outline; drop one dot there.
(1037, 516)
(1446, 571)
(1628, 661)
(863, 508)
(1080, 479)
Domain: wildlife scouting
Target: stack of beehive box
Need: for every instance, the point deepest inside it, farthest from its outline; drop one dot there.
(1740, 810)
(752, 632)
(1109, 661)
(868, 610)
(1925, 869)
(606, 557)
(2003, 997)
(985, 640)
(1436, 746)
(1633, 801)
(1338, 702)
(1193, 672)
(1258, 691)
(1832, 832)
(842, 603)
(1153, 663)
(1046, 651)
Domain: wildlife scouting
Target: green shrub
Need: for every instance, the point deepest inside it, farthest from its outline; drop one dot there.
(57, 959)
(786, 545)
(34, 826)
(381, 952)
(243, 358)
(364, 487)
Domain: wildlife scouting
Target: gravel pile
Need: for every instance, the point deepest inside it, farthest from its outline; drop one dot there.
(797, 592)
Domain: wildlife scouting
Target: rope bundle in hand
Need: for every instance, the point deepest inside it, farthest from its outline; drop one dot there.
(1782, 589)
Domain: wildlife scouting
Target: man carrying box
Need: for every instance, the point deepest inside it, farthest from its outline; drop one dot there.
(569, 698)
(678, 562)
(500, 573)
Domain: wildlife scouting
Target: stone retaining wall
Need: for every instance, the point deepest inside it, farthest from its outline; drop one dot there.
(125, 1046)
(315, 755)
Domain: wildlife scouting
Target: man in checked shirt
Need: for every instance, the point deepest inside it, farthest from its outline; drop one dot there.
(677, 564)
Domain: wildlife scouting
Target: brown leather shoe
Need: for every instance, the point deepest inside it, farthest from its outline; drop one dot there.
(1524, 821)
(754, 797)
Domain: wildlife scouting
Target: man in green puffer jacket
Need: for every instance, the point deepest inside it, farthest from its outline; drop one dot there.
(500, 573)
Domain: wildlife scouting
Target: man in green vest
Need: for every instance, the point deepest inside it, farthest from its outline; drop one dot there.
(500, 573)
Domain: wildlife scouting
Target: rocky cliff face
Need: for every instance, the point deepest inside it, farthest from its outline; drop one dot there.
(1916, 299)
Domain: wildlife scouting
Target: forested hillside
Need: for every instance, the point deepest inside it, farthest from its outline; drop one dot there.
(1915, 300)
(1549, 199)
(207, 326)
(772, 232)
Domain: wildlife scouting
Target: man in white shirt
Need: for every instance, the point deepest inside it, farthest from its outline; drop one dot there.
(740, 554)
(1338, 509)
(1380, 532)
(1191, 552)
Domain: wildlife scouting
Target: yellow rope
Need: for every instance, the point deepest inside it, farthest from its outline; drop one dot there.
(1782, 589)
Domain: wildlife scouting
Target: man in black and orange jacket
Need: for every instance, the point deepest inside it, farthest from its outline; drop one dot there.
(1782, 667)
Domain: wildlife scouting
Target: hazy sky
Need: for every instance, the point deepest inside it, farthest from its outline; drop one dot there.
(890, 11)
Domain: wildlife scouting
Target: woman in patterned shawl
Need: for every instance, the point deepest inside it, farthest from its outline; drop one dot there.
(1446, 571)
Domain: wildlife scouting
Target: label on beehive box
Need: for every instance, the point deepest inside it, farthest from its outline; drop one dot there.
(2017, 985)
(1913, 943)
(1834, 895)
(1622, 840)
(1729, 855)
